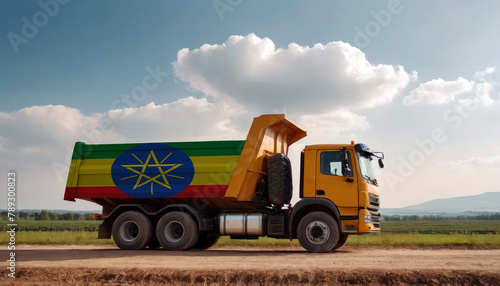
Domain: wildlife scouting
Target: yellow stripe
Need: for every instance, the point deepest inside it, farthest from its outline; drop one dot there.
(72, 174)
(209, 170)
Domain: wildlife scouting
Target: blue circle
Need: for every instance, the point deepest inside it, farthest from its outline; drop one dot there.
(152, 170)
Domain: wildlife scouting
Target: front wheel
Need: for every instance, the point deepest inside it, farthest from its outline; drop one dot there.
(342, 240)
(177, 231)
(318, 232)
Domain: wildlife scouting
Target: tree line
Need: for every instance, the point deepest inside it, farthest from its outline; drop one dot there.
(50, 215)
(489, 216)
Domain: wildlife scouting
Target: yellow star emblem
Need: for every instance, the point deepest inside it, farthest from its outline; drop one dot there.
(156, 179)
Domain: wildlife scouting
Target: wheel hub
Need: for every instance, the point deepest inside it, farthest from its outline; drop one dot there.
(174, 231)
(317, 232)
(129, 231)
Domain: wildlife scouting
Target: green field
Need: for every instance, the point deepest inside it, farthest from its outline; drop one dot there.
(418, 233)
(442, 227)
(54, 225)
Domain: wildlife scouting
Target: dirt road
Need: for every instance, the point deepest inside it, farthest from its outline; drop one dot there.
(255, 265)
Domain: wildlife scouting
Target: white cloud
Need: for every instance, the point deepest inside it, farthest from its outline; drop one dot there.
(39, 129)
(482, 76)
(439, 91)
(254, 72)
(474, 162)
(333, 125)
(41, 126)
(3, 142)
(36, 136)
(185, 119)
(482, 94)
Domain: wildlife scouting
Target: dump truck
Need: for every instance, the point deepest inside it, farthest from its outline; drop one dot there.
(184, 195)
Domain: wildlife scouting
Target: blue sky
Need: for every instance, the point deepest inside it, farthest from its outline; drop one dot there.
(90, 48)
(89, 54)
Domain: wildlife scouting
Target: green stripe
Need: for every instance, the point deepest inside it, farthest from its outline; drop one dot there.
(199, 148)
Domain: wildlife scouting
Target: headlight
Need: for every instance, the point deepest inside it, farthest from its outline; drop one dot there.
(368, 218)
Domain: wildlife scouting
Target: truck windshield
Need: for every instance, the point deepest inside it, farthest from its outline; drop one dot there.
(365, 166)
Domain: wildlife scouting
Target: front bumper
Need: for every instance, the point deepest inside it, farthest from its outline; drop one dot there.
(368, 221)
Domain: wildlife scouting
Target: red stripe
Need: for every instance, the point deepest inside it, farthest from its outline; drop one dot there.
(200, 191)
(98, 192)
(203, 191)
(69, 194)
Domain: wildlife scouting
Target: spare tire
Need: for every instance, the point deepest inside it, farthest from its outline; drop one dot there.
(279, 179)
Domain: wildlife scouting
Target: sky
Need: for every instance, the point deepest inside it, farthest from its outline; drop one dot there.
(417, 80)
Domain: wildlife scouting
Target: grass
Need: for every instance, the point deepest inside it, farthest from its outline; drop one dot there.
(442, 227)
(389, 239)
(395, 233)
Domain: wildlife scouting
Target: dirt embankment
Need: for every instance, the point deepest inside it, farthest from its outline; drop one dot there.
(47, 265)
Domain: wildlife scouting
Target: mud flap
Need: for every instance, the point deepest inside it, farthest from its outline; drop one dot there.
(104, 231)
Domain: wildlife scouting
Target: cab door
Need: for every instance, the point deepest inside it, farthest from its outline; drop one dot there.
(334, 184)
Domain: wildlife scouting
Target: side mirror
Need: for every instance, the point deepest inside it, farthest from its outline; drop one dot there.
(344, 161)
(381, 163)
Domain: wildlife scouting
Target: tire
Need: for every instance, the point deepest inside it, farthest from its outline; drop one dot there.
(342, 240)
(132, 230)
(279, 179)
(318, 232)
(207, 240)
(177, 231)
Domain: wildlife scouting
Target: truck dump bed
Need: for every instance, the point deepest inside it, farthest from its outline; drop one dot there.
(217, 173)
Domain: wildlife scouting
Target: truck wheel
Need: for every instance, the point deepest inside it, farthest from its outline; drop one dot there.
(207, 240)
(342, 240)
(177, 231)
(318, 232)
(132, 230)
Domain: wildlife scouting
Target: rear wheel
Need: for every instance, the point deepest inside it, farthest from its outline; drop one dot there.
(207, 240)
(177, 231)
(318, 232)
(342, 240)
(132, 230)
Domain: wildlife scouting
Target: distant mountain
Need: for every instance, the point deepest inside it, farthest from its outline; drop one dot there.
(468, 205)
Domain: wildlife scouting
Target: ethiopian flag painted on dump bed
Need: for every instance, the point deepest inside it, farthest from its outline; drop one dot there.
(152, 170)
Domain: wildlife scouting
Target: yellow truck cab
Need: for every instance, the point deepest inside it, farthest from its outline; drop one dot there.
(184, 195)
(343, 175)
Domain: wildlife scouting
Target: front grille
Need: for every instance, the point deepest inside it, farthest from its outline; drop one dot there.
(375, 219)
(373, 209)
(374, 202)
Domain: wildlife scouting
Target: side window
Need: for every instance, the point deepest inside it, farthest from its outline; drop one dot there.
(331, 165)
